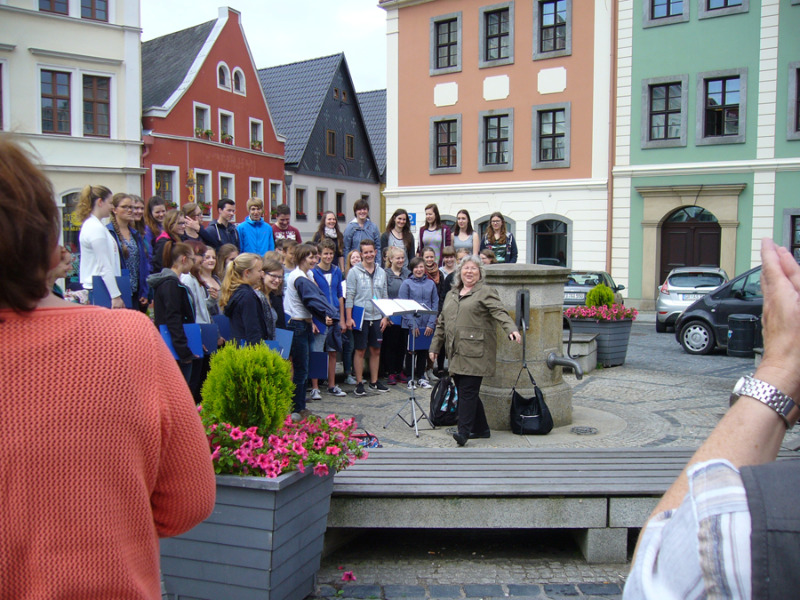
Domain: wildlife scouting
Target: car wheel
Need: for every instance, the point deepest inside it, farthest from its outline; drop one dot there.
(697, 337)
(660, 327)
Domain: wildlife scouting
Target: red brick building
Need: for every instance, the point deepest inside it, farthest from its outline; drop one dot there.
(207, 132)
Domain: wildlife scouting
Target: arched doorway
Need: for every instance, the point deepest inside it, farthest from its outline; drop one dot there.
(690, 236)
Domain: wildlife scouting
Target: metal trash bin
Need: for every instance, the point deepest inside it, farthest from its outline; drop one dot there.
(741, 335)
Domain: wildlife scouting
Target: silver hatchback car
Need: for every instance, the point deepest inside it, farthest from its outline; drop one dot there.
(683, 286)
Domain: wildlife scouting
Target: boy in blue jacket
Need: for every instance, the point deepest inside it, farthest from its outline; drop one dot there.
(329, 279)
(255, 235)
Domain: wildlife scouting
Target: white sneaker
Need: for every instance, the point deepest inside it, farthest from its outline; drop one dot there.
(350, 380)
(424, 384)
(315, 395)
(412, 385)
(336, 391)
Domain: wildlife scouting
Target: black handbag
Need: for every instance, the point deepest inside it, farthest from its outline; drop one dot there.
(529, 416)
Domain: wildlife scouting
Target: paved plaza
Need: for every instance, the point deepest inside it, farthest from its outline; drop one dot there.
(661, 396)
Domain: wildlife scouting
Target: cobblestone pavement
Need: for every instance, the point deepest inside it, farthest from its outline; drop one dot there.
(661, 396)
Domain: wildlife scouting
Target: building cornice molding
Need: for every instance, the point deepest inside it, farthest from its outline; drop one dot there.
(95, 169)
(511, 186)
(395, 4)
(7, 47)
(725, 189)
(709, 168)
(75, 57)
(219, 145)
(89, 22)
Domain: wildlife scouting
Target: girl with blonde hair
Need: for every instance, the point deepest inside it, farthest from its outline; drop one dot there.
(99, 251)
(239, 301)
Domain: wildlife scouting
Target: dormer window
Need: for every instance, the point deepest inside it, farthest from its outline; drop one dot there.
(223, 76)
(239, 85)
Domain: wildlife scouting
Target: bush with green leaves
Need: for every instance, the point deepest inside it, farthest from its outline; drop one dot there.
(248, 386)
(600, 295)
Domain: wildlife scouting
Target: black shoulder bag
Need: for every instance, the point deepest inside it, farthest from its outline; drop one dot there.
(529, 416)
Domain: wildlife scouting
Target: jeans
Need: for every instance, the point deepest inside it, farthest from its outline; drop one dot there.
(471, 416)
(300, 354)
(347, 352)
(186, 370)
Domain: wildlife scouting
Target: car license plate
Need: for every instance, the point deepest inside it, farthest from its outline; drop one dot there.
(692, 296)
(574, 296)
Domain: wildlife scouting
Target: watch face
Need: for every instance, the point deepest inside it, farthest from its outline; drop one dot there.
(739, 385)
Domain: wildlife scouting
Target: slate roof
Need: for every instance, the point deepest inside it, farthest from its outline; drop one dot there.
(295, 93)
(166, 60)
(373, 109)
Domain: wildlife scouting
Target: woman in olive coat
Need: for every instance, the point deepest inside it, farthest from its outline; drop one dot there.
(466, 330)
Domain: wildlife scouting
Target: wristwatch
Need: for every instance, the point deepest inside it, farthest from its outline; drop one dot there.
(767, 394)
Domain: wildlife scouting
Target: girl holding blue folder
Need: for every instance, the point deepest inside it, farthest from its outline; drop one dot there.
(420, 288)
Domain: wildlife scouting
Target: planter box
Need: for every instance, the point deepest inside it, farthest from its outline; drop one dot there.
(263, 541)
(612, 339)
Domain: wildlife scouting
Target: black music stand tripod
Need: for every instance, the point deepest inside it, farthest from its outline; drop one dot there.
(412, 402)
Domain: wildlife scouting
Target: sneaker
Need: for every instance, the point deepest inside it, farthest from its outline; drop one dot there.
(378, 387)
(305, 413)
(412, 385)
(315, 395)
(360, 389)
(430, 376)
(350, 380)
(296, 417)
(424, 384)
(402, 377)
(391, 380)
(336, 391)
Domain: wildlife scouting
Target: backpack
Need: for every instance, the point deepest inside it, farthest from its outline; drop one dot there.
(444, 403)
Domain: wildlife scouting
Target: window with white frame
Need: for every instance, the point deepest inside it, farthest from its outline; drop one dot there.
(96, 106)
(322, 196)
(256, 134)
(239, 83)
(257, 188)
(445, 144)
(225, 127)
(707, 9)
(551, 136)
(227, 186)
(551, 242)
(56, 102)
(552, 28)
(664, 12)
(59, 7)
(793, 112)
(203, 193)
(94, 10)
(665, 108)
(275, 193)
(496, 140)
(496, 35)
(445, 44)
(300, 203)
(202, 120)
(223, 76)
(164, 181)
(721, 107)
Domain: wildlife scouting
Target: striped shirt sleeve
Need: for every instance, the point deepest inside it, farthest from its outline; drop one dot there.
(702, 548)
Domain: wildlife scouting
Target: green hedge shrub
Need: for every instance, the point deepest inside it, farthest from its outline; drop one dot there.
(600, 295)
(247, 386)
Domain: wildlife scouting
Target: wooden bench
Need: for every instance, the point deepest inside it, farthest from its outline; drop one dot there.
(600, 493)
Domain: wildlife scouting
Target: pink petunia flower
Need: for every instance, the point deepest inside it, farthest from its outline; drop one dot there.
(348, 576)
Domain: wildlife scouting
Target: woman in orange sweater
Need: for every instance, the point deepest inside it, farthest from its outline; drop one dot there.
(106, 452)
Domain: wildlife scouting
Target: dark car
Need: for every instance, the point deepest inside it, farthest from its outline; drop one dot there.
(580, 282)
(703, 326)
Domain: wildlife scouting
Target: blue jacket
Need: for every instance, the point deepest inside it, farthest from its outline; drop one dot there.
(424, 291)
(333, 291)
(255, 236)
(393, 282)
(354, 233)
(248, 323)
(144, 260)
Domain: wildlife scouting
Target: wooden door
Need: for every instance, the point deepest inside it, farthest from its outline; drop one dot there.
(689, 242)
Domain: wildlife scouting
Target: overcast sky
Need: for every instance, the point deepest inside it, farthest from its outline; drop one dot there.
(281, 31)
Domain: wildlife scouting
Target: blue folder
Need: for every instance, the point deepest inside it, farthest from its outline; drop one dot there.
(421, 342)
(358, 317)
(319, 365)
(193, 337)
(223, 323)
(320, 325)
(282, 343)
(396, 319)
(209, 333)
(101, 296)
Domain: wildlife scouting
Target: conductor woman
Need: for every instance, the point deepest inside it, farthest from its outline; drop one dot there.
(466, 329)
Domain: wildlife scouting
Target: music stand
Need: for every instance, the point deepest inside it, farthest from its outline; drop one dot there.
(414, 309)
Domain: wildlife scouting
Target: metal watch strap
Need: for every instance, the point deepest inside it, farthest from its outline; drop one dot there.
(768, 394)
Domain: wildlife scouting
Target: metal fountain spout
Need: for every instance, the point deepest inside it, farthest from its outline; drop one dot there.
(554, 361)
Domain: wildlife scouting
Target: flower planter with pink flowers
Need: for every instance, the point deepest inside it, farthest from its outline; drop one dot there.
(612, 325)
(274, 481)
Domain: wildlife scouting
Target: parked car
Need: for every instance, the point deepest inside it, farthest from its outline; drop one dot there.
(703, 326)
(683, 286)
(580, 282)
